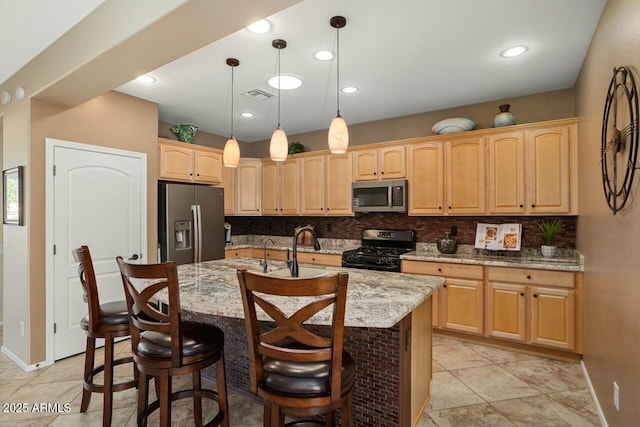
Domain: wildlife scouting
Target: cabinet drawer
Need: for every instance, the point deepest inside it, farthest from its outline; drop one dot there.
(237, 253)
(442, 269)
(321, 259)
(562, 279)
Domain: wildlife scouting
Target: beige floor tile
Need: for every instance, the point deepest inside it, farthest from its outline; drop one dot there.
(458, 356)
(60, 393)
(119, 417)
(28, 422)
(12, 375)
(580, 402)
(501, 355)
(471, 416)
(548, 375)
(449, 392)
(5, 392)
(436, 367)
(541, 410)
(494, 383)
(426, 421)
(442, 340)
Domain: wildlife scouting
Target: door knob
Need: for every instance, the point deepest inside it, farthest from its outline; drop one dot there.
(133, 258)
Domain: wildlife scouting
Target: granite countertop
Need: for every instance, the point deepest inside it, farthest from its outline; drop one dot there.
(567, 259)
(374, 299)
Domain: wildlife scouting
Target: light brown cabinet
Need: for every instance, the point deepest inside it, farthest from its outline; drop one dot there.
(178, 161)
(238, 253)
(533, 306)
(280, 191)
(326, 185)
(447, 177)
(229, 184)
(249, 188)
(379, 163)
(459, 303)
(533, 171)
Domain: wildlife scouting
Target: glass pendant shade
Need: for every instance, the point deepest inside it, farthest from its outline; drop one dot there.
(338, 136)
(231, 153)
(279, 147)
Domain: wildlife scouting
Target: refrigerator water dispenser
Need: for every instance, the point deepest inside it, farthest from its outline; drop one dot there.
(182, 235)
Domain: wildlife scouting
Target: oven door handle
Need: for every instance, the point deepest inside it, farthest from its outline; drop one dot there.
(390, 188)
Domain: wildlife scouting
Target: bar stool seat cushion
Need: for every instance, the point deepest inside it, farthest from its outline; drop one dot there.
(304, 378)
(197, 338)
(111, 313)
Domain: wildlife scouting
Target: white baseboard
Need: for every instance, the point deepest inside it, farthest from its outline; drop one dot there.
(15, 359)
(603, 420)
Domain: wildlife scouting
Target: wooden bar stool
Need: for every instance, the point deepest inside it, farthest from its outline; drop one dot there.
(294, 369)
(108, 321)
(164, 345)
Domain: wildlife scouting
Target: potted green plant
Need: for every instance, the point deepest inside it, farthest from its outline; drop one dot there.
(549, 230)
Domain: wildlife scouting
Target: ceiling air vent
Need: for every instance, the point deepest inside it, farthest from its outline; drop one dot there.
(258, 94)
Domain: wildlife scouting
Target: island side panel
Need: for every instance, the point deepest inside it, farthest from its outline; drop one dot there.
(377, 353)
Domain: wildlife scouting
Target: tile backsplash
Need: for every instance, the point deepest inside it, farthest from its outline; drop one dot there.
(428, 229)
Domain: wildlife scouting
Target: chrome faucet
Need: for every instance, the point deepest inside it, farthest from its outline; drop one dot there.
(263, 263)
(293, 266)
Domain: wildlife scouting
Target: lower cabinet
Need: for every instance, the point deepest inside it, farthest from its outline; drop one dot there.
(238, 253)
(458, 305)
(533, 306)
(537, 307)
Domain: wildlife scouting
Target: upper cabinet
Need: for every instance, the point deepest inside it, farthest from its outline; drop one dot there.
(379, 163)
(249, 189)
(533, 171)
(229, 184)
(447, 177)
(178, 161)
(280, 189)
(326, 185)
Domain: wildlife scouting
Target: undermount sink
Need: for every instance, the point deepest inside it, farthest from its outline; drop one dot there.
(303, 272)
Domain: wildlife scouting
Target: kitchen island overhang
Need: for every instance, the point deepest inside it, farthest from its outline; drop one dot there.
(387, 331)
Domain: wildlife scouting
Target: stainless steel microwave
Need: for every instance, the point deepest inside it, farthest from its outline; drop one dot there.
(380, 196)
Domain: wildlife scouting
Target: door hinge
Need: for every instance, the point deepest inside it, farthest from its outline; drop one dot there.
(55, 328)
(54, 170)
(54, 249)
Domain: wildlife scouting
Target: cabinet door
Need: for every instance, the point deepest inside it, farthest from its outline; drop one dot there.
(462, 305)
(270, 184)
(208, 166)
(553, 317)
(289, 188)
(506, 173)
(339, 198)
(365, 165)
(249, 187)
(229, 184)
(506, 311)
(426, 185)
(176, 163)
(313, 185)
(548, 174)
(465, 176)
(392, 162)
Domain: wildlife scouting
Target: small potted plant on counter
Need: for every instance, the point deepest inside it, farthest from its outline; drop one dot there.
(549, 230)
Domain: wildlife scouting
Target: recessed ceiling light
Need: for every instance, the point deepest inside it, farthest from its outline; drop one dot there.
(349, 89)
(247, 114)
(145, 78)
(323, 55)
(260, 27)
(513, 51)
(287, 82)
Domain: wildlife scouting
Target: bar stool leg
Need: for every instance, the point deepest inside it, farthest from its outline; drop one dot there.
(89, 360)
(107, 405)
(197, 399)
(221, 379)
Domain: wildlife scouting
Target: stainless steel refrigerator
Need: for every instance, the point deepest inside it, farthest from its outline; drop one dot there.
(190, 223)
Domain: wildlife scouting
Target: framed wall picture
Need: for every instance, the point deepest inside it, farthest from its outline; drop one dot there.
(12, 196)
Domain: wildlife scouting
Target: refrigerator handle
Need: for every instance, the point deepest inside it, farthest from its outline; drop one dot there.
(196, 234)
(199, 242)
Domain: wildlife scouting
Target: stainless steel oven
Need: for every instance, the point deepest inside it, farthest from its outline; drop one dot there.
(380, 196)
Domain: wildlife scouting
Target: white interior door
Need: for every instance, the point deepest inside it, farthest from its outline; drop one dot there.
(99, 200)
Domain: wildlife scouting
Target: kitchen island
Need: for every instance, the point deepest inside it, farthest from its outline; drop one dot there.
(387, 331)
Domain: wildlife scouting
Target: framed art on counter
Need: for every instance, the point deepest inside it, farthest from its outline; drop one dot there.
(12, 196)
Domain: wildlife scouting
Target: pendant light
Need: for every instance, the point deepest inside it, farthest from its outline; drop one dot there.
(338, 132)
(231, 153)
(279, 147)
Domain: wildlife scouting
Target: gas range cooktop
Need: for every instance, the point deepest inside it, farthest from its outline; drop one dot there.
(380, 250)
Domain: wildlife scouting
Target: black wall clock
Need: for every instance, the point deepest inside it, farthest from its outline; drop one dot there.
(619, 149)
